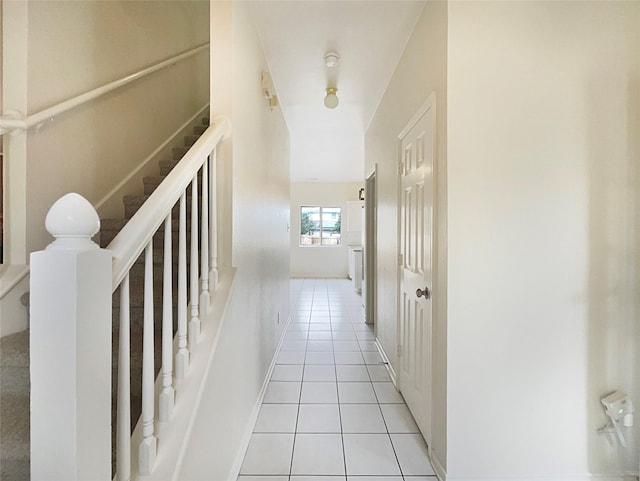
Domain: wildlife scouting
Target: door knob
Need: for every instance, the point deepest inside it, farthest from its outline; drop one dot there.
(423, 292)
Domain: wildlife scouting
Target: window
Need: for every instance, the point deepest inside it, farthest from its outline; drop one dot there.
(320, 226)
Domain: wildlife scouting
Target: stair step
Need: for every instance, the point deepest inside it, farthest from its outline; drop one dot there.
(108, 234)
(14, 406)
(136, 315)
(178, 152)
(151, 183)
(167, 166)
(189, 140)
(108, 225)
(133, 202)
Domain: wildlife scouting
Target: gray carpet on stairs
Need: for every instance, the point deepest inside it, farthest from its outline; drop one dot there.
(14, 407)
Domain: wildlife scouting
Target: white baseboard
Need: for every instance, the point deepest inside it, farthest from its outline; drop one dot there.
(615, 477)
(577, 477)
(436, 463)
(385, 360)
(246, 438)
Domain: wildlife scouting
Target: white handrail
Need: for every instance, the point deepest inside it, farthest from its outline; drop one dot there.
(8, 124)
(127, 246)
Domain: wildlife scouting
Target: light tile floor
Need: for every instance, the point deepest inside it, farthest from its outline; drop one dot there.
(330, 412)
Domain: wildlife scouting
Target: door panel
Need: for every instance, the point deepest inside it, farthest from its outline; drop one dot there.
(416, 218)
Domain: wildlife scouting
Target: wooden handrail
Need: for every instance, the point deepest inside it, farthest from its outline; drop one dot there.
(127, 246)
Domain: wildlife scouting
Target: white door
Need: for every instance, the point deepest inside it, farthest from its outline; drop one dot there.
(416, 227)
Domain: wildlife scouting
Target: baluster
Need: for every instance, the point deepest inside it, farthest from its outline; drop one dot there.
(123, 448)
(205, 297)
(167, 396)
(194, 323)
(182, 356)
(213, 223)
(148, 445)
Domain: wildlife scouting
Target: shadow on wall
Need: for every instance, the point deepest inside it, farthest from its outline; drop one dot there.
(614, 263)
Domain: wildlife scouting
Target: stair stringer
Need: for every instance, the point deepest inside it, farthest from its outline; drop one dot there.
(173, 436)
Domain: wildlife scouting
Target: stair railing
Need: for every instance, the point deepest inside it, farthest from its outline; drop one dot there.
(16, 121)
(72, 283)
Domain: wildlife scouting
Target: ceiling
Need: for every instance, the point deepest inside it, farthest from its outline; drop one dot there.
(369, 37)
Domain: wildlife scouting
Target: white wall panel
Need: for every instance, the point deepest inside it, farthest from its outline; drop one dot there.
(256, 225)
(422, 69)
(543, 236)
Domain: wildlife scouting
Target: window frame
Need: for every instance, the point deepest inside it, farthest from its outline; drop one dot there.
(321, 226)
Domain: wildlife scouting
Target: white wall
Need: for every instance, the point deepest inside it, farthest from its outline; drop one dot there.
(259, 306)
(320, 261)
(72, 47)
(543, 158)
(421, 70)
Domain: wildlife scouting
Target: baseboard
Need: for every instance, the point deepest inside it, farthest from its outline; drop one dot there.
(385, 360)
(246, 438)
(615, 477)
(441, 473)
(111, 203)
(577, 477)
(436, 463)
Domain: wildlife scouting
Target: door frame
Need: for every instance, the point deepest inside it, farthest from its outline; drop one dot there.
(429, 104)
(371, 246)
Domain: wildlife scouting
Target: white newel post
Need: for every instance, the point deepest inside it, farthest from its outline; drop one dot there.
(71, 349)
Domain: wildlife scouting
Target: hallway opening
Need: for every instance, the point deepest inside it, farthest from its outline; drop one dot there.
(330, 410)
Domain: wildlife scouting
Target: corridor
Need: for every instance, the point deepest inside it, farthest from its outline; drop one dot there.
(330, 411)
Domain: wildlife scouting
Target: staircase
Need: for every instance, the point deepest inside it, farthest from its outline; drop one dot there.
(14, 407)
(14, 349)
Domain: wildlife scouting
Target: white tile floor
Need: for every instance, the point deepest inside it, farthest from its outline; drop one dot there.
(330, 412)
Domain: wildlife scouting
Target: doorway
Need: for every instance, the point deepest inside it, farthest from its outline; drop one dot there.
(370, 247)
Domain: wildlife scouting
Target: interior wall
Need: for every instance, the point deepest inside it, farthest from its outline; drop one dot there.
(422, 69)
(543, 201)
(74, 47)
(1, 149)
(259, 306)
(14, 81)
(320, 261)
(221, 94)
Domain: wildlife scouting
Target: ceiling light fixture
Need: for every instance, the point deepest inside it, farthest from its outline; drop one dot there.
(331, 59)
(331, 99)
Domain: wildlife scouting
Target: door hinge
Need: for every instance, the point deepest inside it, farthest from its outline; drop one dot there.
(399, 350)
(400, 168)
(400, 260)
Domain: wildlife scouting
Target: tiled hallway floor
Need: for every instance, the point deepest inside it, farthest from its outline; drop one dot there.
(330, 411)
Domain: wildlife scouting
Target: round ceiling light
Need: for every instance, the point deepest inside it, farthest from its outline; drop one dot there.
(331, 59)
(331, 100)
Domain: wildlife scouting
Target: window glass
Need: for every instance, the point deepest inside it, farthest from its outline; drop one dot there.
(320, 226)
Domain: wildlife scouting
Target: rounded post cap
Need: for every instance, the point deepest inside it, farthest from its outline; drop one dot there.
(73, 221)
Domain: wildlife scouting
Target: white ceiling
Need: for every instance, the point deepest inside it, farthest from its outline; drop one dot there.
(369, 36)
